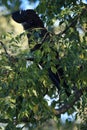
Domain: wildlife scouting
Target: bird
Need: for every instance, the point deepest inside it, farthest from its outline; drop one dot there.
(30, 20)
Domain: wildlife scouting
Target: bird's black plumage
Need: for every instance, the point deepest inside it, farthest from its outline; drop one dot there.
(30, 20)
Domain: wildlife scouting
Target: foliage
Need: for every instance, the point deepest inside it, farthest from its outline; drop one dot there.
(32, 83)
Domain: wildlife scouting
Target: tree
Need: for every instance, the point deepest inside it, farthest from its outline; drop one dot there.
(33, 83)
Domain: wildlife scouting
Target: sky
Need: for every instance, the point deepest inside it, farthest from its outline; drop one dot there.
(27, 5)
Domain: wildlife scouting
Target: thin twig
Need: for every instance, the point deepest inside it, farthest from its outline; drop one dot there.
(5, 49)
(37, 46)
(11, 58)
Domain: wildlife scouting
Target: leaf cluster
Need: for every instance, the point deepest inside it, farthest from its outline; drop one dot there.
(22, 89)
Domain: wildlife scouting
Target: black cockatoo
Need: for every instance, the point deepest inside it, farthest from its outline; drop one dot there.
(30, 20)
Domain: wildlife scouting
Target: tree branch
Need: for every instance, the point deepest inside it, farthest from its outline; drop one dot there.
(73, 22)
(37, 46)
(67, 106)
